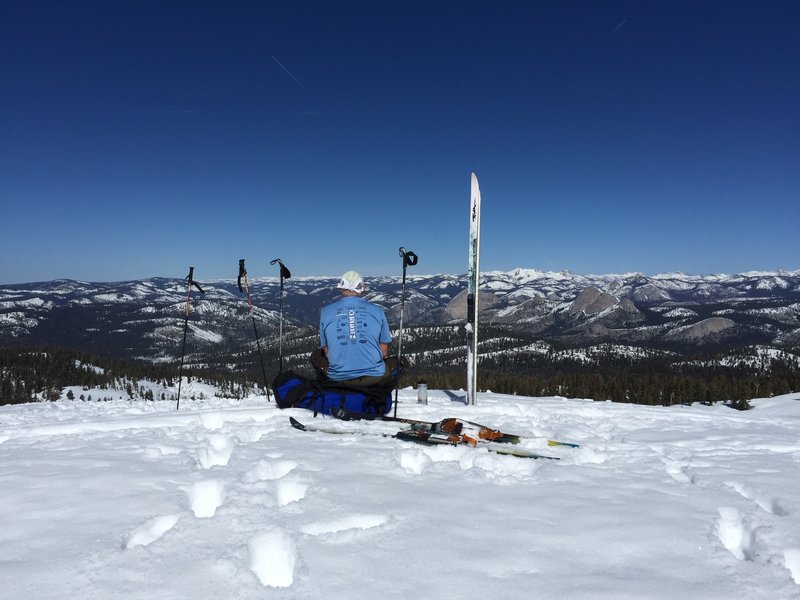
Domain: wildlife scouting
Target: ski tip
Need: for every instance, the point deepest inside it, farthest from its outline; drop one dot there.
(565, 444)
(297, 424)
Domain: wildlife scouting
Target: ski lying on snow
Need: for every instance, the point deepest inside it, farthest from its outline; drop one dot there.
(428, 438)
(450, 425)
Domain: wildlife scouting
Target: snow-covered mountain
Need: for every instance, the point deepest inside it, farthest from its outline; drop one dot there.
(145, 318)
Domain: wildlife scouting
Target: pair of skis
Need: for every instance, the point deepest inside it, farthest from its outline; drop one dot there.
(428, 438)
(473, 290)
(451, 425)
(452, 431)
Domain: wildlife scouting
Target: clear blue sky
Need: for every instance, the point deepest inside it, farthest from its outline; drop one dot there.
(138, 138)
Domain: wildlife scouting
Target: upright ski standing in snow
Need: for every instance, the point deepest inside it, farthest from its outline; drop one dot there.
(472, 290)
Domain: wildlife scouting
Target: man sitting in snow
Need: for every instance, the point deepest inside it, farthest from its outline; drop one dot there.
(354, 338)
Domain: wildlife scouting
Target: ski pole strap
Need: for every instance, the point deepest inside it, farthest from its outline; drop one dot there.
(247, 293)
(409, 258)
(242, 273)
(192, 282)
(285, 273)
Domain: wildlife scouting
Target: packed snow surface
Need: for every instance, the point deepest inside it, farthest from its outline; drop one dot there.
(223, 499)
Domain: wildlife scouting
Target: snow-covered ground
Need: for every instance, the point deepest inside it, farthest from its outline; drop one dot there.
(224, 500)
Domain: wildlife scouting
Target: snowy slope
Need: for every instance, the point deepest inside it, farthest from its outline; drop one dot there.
(224, 500)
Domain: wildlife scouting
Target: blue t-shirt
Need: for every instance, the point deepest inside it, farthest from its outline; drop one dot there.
(352, 329)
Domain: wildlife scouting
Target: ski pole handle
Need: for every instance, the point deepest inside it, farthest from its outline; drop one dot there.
(242, 273)
(192, 282)
(409, 258)
(285, 273)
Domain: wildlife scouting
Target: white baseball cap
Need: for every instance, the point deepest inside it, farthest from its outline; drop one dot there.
(351, 281)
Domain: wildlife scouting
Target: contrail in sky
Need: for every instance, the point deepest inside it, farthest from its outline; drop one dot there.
(297, 81)
(612, 33)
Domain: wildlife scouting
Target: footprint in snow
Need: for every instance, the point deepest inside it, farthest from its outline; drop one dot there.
(290, 491)
(590, 456)
(414, 462)
(770, 505)
(161, 450)
(150, 531)
(250, 435)
(269, 470)
(212, 421)
(272, 558)
(679, 472)
(349, 523)
(791, 558)
(735, 534)
(205, 497)
(217, 453)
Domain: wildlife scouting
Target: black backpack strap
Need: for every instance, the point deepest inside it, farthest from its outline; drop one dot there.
(298, 392)
(306, 389)
(367, 390)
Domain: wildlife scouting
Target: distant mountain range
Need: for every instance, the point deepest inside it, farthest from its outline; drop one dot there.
(668, 312)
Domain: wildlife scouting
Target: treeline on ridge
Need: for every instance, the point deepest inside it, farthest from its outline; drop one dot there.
(510, 363)
(29, 374)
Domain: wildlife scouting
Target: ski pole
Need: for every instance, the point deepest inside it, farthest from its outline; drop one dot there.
(409, 260)
(243, 274)
(285, 274)
(189, 283)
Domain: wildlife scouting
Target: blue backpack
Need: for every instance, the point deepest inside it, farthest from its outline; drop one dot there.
(296, 391)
